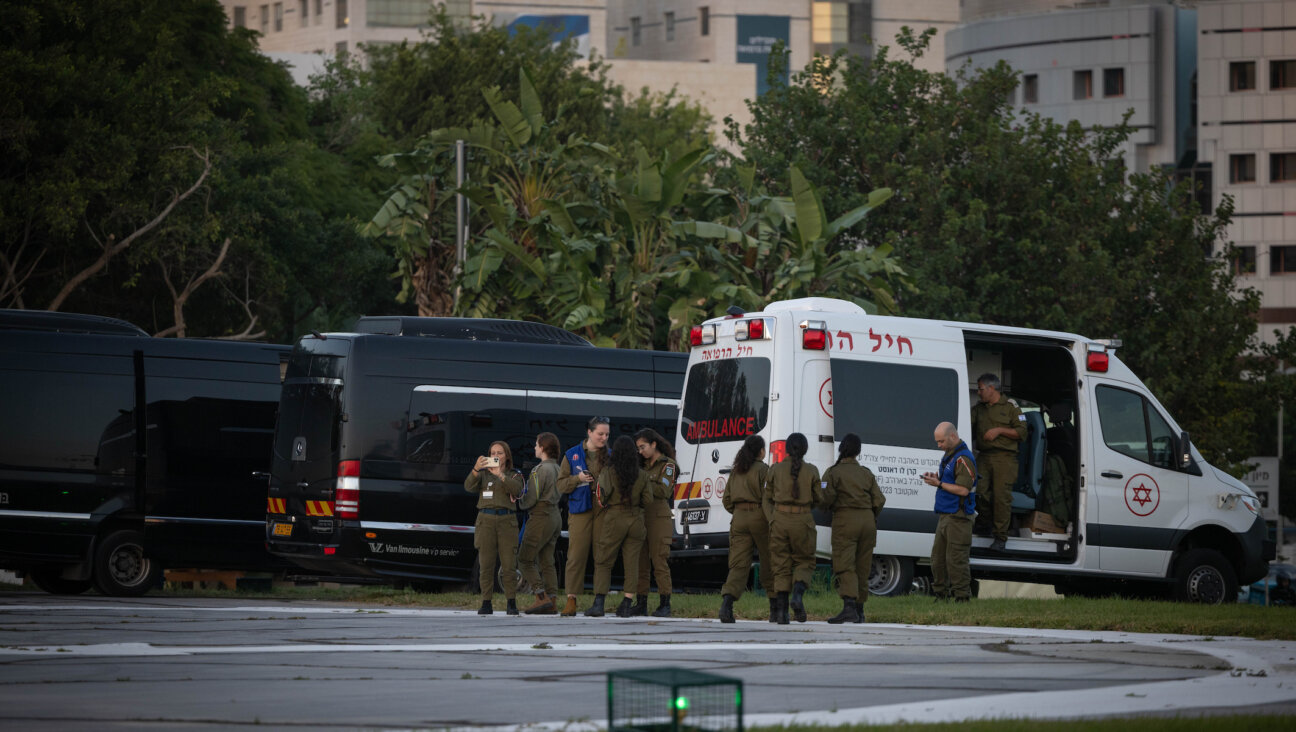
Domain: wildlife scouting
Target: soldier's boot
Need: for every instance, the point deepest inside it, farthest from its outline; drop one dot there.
(569, 610)
(848, 612)
(544, 605)
(859, 611)
(774, 609)
(595, 610)
(640, 605)
(511, 608)
(782, 608)
(962, 599)
(486, 608)
(663, 608)
(726, 609)
(798, 607)
(626, 608)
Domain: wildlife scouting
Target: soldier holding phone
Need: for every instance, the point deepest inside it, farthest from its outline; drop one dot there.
(497, 486)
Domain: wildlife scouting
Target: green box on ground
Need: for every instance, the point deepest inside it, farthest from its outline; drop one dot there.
(673, 700)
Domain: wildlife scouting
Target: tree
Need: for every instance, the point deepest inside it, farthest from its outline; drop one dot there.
(1016, 219)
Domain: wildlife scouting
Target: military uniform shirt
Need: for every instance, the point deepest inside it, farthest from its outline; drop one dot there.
(662, 476)
(748, 487)
(778, 485)
(1002, 413)
(851, 485)
(595, 460)
(641, 493)
(494, 491)
(544, 481)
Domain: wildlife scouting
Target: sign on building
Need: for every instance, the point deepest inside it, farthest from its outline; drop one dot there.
(1263, 479)
(757, 35)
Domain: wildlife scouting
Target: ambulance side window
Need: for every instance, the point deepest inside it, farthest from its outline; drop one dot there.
(1133, 427)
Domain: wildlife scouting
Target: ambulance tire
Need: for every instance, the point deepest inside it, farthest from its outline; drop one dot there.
(52, 581)
(1204, 576)
(891, 576)
(122, 566)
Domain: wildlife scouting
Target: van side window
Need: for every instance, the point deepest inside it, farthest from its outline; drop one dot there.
(892, 404)
(1133, 427)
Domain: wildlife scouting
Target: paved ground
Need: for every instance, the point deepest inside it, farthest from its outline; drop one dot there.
(91, 662)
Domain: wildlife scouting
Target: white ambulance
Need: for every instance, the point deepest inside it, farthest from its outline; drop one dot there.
(1144, 514)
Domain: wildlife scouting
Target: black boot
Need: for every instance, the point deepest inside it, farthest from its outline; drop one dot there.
(774, 608)
(595, 610)
(626, 608)
(798, 607)
(848, 614)
(726, 609)
(663, 609)
(782, 608)
(512, 607)
(486, 608)
(640, 606)
(859, 611)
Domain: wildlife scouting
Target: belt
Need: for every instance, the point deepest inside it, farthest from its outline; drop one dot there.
(791, 508)
(618, 507)
(496, 511)
(746, 506)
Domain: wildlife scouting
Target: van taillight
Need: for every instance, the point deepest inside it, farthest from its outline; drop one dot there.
(347, 495)
(1096, 361)
(778, 451)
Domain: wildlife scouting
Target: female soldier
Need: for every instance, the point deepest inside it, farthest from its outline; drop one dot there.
(575, 479)
(748, 527)
(498, 486)
(543, 525)
(659, 463)
(853, 495)
(791, 491)
(625, 492)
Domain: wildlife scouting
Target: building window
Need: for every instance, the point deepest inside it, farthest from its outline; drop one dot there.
(1282, 167)
(1030, 89)
(1282, 260)
(240, 16)
(670, 26)
(1244, 260)
(278, 17)
(265, 20)
(1242, 76)
(1242, 168)
(1083, 81)
(343, 18)
(1113, 82)
(341, 48)
(303, 7)
(636, 35)
(1282, 74)
(704, 18)
(319, 11)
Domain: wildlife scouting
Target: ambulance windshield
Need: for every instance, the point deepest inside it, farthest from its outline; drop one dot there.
(726, 400)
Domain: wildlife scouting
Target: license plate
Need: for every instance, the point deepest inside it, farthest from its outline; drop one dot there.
(696, 515)
(282, 529)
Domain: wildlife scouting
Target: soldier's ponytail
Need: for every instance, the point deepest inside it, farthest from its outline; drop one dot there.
(796, 450)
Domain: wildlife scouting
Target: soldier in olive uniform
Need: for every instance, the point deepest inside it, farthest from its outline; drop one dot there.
(498, 486)
(853, 495)
(576, 475)
(955, 486)
(658, 458)
(792, 490)
(997, 428)
(626, 492)
(544, 523)
(748, 528)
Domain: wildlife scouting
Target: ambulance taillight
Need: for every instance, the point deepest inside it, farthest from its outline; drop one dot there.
(778, 451)
(1096, 359)
(749, 330)
(347, 495)
(814, 335)
(702, 335)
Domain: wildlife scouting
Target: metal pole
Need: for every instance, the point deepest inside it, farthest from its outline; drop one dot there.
(461, 218)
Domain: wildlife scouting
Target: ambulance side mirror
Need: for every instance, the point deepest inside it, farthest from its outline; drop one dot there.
(1185, 451)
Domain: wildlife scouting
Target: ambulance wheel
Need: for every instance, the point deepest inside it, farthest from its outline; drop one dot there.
(51, 580)
(1205, 576)
(122, 568)
(891, 576)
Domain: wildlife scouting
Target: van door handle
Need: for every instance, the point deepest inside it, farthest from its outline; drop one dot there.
(1111, 474)
(304, 485)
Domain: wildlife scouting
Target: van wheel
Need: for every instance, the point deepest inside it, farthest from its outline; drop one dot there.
(1205, 576)
(891, 576)
(122, 568)
(52, 581)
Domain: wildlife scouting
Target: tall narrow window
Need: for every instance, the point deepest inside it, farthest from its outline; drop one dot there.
(240, 16)
(1113, 82)
(278, 17)
(670, 26)
(636, 35)
(1282, 167)
(265, 20)
(1242, 168)
(319, 11)
(1244, 260)
(303, 7)
(1030, 89)
(1282, 74)
(343, 18)
(1083, 83)
(340, 48)
(704, 20)
(1242, 76)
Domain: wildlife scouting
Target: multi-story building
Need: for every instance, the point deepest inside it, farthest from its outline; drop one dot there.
(859, 26)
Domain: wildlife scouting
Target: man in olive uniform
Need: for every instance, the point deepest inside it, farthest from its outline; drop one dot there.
(997, 427)
(955, 486)
(497, 486)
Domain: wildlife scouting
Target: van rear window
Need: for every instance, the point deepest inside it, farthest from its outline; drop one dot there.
(726, 400)
(892, 404)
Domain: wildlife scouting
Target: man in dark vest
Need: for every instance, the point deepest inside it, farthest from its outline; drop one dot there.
(955, 486)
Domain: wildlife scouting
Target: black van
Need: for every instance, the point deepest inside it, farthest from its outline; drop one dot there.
(83, 500)
(378, 429)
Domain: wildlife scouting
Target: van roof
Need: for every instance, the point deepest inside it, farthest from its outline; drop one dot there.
(67, 323)
(471, 329)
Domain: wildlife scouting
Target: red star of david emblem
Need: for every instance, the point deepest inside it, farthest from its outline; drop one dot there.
(1142, 495)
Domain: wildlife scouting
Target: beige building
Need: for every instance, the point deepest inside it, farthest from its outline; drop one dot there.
(859, 26)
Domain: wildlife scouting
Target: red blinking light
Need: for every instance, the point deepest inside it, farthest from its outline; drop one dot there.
(1096, 361)
(695, 335)
(814, 340)
(778, 451)
(755, 329)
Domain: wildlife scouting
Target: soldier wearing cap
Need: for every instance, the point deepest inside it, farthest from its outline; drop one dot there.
(997, 428)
